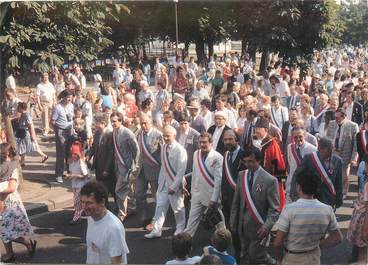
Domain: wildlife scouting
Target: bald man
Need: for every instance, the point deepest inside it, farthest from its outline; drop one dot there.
(170, 184)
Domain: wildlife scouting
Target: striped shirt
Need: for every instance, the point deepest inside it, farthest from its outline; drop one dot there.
(306, 222)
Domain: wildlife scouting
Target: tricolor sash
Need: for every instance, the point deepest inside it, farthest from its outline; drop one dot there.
(150, 159)
(165, 161)
(249, 200)
(323, 110)
(363, 140)
(203, 170)
(228, 174)
(117, 153)
(323, 173)
(295, 155)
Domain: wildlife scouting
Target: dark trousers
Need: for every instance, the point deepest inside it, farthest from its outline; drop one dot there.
(61, 139)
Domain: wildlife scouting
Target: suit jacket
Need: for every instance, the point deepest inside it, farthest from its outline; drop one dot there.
(357, 115)
(198, 124)
(154, 142)
(226, 190)
(307, 148)
(220, 145)
(347, 148)
(286, 138)
(177, 156)
(103, 157)
(293, 101)
(246, 139)
(201, 191)
(335, 174)
(265, 196)
(191, 145)
(128, 148)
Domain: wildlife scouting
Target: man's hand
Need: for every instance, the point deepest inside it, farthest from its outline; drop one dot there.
(262, 232)
(171, 192)
(212, 204)
(186, 192)
(353, 163)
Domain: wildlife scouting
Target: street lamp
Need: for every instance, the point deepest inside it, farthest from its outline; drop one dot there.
(176, 27)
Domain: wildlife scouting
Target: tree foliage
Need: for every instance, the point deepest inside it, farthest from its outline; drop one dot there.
(44, 34)
(355, 19)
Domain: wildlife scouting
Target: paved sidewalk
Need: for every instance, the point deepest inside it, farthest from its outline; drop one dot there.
(39, 191)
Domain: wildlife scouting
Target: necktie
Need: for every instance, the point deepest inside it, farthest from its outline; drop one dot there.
(249, 136)
(337, 139)
(231, 157)
(204, 156)
(298, 153)
(250, 180)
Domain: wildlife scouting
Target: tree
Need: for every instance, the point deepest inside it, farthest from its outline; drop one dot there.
(45, 34)
(355, 19)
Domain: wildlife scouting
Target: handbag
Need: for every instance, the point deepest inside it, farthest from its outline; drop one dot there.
(211, 217)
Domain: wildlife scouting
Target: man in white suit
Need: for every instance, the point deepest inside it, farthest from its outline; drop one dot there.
(295, 153)
(170, 184)
(206, 182)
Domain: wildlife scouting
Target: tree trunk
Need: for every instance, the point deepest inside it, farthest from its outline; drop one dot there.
(210, 44)
(244, 46)
(199, 49)
(144, 51)
(264, 61)
(185, 51)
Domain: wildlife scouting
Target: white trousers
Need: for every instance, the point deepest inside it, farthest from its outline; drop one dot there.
(176, 201)
(195, 215)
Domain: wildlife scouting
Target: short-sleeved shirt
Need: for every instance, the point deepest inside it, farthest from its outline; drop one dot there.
(45, 91)
(306, 222)
(106, 239)
(63, 116)
(224, 256)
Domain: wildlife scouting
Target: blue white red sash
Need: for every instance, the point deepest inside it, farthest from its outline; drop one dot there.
(228, 175)
(249, 200)
(203, 170)
(295, 155)
(117, 153)
(150, 159)
(323, 110)
(165, 161)
(363, 140)
(323, 173)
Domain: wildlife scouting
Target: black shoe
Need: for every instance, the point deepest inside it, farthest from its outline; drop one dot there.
(269, 260)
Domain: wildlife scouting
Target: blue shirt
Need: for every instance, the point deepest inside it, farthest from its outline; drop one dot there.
(225, 258)
(63, 116)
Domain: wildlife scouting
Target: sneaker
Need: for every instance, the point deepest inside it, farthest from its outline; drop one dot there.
(153, 235)
(59, 179)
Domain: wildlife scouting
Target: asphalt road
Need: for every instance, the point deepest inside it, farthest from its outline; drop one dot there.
(59, 242)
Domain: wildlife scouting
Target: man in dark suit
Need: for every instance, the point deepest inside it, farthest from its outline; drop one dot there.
(247, 137)
(231, 168)
(103, 156)
(217, 131)
(320, 162)
(255, 208)
(354, 110)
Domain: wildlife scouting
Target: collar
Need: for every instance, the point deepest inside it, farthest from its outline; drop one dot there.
(236, 151)
(220, 128)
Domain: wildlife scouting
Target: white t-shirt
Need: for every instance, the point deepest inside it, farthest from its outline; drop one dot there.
(45, 91)
(105, 239)
(118, 75)
(192, 260)
(10, 82)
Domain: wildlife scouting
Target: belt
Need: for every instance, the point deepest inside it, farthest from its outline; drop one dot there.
(298, 252)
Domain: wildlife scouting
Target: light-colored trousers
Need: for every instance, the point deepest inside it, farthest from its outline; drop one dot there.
(345, 176)
(309, 258)
(176, 201)
(124, 191)
(195, 215)
(46, 113)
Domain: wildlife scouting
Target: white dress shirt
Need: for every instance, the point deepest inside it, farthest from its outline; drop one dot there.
(216, 136)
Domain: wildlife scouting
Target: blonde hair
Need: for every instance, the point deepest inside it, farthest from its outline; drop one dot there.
(91, 95)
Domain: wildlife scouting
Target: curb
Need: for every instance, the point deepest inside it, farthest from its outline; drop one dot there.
(48, 202)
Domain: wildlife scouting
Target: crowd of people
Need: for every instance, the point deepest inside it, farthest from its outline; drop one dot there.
(259, 157)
